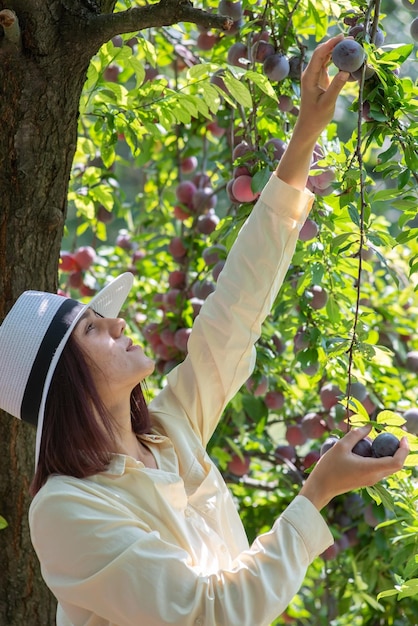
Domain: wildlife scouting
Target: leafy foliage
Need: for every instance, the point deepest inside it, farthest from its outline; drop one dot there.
(158, 102)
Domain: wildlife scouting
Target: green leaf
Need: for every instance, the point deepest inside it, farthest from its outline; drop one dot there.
(398, 53)
(390, 418)
(409, 589)
(260, 179)
(238, 90)
(262, 82)
(381, 496)
(3, 523)
(211, 96)
(199, 71)
(333, 309)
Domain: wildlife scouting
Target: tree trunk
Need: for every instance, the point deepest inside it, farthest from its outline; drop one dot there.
(41, 83)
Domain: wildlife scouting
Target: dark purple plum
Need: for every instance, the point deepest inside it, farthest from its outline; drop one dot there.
(276, 67)
(385, 444)
(348, 55)
(328, 444)
(414, 29)
(411, 417)
(363, 447)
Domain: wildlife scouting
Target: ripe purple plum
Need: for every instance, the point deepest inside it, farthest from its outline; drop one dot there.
(276, 147)
(181, 338)
(285, 452)
(274, 400)
(276, 66)
(358, 391)
(68, 262)
(309, 230)
(217, 80)
(239, 466)
(213, 254)
(206, 224)
(328, 444)
(75, 279)
(111, 73)
(217, 269)
(185, 191)
(85, 256)
(348, 55)
(103, 215)
(167, 337)
(180, 213)
(202, 289)
(230, 193)
(296, 67)
(323, 179)
(329, 395)
(363, 447)
(203, 199)
(241, 149)
(177, 279)
(206, 41)
(300, 340)
(260, 50)
(368, 73)
(230, 9)
(295, 435)
(313, 425)
(318, 297)
(216, 130)
(411, 362)
(177, 248)
(414, 29)
(358, 32)
(172, 299)
(257, 387)
(285, 103)
(411, 417)
(196, 304)
(241, 189)
(238, 54)
(312, 457)
(385, 444)
(188, 164)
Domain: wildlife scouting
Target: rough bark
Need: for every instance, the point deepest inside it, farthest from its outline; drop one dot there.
(44, 57)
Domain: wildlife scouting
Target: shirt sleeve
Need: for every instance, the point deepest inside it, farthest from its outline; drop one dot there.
(221, 352)
(100, 560)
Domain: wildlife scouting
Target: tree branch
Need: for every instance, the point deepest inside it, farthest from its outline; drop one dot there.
(10, 24)
(103, 27)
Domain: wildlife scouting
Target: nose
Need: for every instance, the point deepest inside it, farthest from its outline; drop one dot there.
(117, 326)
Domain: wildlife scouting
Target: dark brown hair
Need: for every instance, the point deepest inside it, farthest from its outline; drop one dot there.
(73, 442)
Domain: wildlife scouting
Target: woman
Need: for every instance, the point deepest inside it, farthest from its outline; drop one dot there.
(130, 519)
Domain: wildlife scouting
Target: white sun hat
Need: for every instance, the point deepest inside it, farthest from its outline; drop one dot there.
(32, 338)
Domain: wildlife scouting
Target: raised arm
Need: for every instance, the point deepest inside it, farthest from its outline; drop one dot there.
(221, 353)
(319, 95)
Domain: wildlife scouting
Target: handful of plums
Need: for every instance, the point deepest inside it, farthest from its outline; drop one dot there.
(385, 444)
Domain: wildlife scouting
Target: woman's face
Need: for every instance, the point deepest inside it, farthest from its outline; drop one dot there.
(117, 364)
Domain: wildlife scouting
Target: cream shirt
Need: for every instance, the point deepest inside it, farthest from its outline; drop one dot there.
(136, 546)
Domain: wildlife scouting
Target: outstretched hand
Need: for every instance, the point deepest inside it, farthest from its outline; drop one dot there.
(341, 470)
(318, 97)
(319, 92)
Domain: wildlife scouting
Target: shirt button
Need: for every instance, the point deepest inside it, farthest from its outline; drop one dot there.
(199, 621)
(188, 513)
(223, 549)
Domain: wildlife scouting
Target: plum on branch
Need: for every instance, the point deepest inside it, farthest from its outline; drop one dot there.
(348, 55)
(385, 444)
